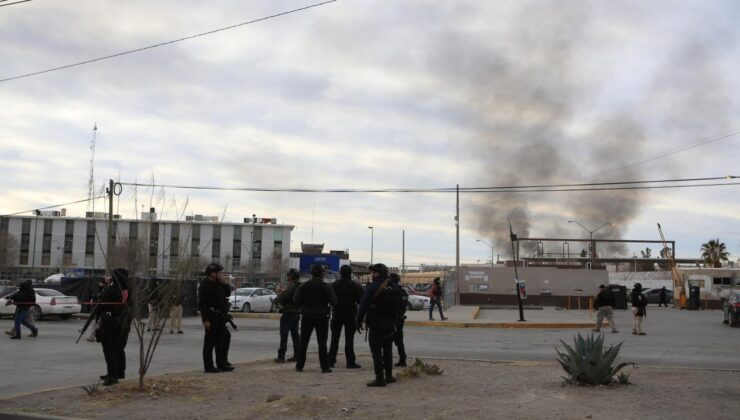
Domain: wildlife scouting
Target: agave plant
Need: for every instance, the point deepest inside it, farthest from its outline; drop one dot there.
(587, 363)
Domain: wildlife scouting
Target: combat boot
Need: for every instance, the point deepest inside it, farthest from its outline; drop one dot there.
(379, 381)
(389, 379)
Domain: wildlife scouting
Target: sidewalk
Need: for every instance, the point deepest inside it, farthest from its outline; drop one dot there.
(486, 317)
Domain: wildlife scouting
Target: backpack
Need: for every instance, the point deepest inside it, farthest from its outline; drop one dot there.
(404, 303)
(388, 302)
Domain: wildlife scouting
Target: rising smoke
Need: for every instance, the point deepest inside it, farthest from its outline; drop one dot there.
(541, 123)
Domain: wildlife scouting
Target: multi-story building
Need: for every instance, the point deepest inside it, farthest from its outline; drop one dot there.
(51, 242)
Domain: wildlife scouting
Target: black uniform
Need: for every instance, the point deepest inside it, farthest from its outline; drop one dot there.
(344, 315)
(226, 337)
(114, 319)
(211, 307)
(314, 298)
(378, 308)
(400, 321)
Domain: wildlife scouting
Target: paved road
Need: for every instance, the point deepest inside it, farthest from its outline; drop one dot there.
(675, 338)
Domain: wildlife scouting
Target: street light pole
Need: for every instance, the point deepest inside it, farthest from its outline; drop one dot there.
(490, 246)
(591, 237)
(372, 235)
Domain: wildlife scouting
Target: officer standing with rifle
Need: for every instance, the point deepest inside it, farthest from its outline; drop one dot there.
(314, 297)
(114, 324)
(212, 308)
(401, 320)
(344, 316)
(379, 309)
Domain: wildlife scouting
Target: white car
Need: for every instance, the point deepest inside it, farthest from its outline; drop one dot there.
(48, 302)
(417, 302)
(252, 299)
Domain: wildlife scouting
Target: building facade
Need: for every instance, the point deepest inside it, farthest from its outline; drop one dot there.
(52, 242)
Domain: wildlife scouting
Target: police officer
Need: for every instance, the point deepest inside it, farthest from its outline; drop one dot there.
(314, 297)
(211, 306)
(401, 320)
(225, 317)
(114, 320)
(290, 318)
(379, 310)
(345, 315)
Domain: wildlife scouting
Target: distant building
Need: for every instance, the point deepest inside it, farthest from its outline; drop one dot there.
(50, 242)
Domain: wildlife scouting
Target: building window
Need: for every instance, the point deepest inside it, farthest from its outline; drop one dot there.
(175, 240)
(69, 230)
(216, 243)
(4, 222)
(90, 238)
(277, 252)
(236, 264)
(133, 231)
(277, 234)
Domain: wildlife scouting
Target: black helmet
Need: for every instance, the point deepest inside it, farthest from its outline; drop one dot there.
(214, 268)
(380, 269)
(293, 274)
(638, 286)
(345, 271)
(317, 270)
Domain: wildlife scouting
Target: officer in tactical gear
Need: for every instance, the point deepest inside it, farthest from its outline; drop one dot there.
(227, 318)
(290, 318)
(398, 337)
(379, 310)
(212, 306)
(345, 315)
(315, 298)
(114, 324)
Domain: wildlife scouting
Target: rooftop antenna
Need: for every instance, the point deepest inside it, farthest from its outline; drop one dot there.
(91, 181)
(313, 214)
(223, 215)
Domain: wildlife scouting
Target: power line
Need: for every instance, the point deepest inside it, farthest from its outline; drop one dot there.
(149, 47)
(54, 206)
(667, 153)
(10, 4)
(597, 186)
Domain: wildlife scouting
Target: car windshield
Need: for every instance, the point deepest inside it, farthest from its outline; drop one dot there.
(246, 291)
(48, 292)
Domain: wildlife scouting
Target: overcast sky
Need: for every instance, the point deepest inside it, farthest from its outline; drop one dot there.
(382, 94)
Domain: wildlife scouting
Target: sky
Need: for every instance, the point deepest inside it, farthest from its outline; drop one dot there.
(382, 94)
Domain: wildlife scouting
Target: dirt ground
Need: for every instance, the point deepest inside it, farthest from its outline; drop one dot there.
(465, 390)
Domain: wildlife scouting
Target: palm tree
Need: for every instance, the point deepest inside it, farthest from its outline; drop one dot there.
(713, 253)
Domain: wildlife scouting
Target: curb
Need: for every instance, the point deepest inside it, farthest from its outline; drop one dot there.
(509, 325)
(20, 415)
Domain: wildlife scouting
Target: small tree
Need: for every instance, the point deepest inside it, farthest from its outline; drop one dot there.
(714, 253)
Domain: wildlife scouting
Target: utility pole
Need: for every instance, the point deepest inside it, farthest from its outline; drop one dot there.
(403, 253)
(457, 246)
(514, 238)
(109, 244)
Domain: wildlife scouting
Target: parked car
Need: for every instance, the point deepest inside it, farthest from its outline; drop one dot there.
(417, 301)
(653, 295)
(731, 309)
(252, 299)
(48, 302)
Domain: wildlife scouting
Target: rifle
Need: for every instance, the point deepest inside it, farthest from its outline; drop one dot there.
(87, 323)
(230, 320)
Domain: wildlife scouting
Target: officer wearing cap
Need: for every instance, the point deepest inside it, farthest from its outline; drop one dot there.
(379, 310)
(115, 323)
(212, 302)
(315, 298)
